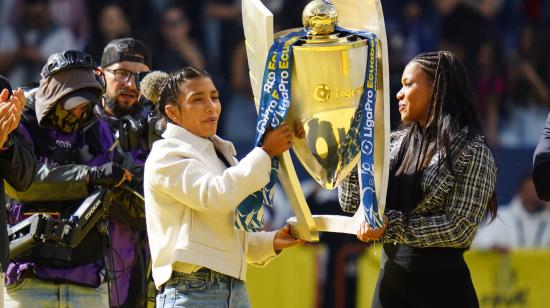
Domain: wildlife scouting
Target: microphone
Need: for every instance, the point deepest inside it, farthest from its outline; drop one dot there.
(151, 85)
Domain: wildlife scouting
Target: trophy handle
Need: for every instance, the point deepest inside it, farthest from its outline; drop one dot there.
(258, 33)
(333, 223)
(303, 226)
(340, 224)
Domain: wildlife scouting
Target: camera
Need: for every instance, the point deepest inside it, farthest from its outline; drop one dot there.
(139, 133)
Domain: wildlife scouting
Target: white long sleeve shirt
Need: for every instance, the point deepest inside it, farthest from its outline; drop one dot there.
(190, 200)
(514, 227)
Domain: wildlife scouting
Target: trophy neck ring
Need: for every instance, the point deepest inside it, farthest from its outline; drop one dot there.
(332, 42)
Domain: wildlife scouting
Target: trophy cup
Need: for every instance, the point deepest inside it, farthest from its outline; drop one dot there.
(328, 74)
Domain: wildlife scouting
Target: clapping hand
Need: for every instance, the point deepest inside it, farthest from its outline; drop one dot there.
(10, 112)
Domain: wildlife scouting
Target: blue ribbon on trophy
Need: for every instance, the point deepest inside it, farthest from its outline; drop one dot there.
(274, 105)
(273, 108)
(362, 130)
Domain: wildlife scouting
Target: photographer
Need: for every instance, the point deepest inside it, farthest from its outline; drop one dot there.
(122, 63)
(17, 161)
(72, 149)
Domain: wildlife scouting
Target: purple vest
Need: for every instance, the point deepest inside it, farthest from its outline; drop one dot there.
(122, 244)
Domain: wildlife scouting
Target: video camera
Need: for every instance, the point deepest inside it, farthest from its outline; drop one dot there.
(139, 133)
(41, 227)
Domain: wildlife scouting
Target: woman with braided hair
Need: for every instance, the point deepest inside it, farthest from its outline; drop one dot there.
(441, 186)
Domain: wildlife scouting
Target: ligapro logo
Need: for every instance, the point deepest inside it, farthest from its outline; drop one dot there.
(367, 147)
(321, 93)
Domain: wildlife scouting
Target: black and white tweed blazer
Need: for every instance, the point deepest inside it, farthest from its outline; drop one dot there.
(454, 203)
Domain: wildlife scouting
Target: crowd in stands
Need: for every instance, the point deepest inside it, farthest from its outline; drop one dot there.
(502, 42)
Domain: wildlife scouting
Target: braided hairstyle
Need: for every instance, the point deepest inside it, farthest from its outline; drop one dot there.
(450, 112)
(170, 88)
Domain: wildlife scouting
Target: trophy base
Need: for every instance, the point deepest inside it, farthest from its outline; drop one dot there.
(327, 223)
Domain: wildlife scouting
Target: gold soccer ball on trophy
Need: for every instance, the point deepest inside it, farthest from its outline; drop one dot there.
(319, 17)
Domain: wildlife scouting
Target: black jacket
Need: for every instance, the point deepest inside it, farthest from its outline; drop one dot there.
(541, 164)
(17, 167)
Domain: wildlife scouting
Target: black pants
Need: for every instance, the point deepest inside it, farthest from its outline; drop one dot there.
(423, 278)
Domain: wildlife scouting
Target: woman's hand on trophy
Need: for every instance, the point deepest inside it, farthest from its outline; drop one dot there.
(367, 233)
(277, 141)
(284, 239)
(299, 130)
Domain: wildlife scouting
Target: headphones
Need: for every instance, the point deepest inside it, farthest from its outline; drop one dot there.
(70, 59)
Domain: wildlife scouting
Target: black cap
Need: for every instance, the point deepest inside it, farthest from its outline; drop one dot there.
(126, 49)
(5, 84)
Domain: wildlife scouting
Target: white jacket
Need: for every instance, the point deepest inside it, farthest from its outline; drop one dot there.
(190, 200)
(515, 228)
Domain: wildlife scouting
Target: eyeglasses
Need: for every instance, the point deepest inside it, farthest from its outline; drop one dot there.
(123, 75)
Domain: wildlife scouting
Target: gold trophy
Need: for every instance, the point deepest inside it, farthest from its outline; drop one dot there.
(328, 73)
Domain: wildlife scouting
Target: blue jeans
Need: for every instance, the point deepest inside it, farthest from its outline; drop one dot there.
(31, 292)
(204, 288)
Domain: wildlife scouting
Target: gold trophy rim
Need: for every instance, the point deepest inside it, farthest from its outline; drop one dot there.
(344, 45)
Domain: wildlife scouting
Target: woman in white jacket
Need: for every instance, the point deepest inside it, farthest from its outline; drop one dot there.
(193, 184)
